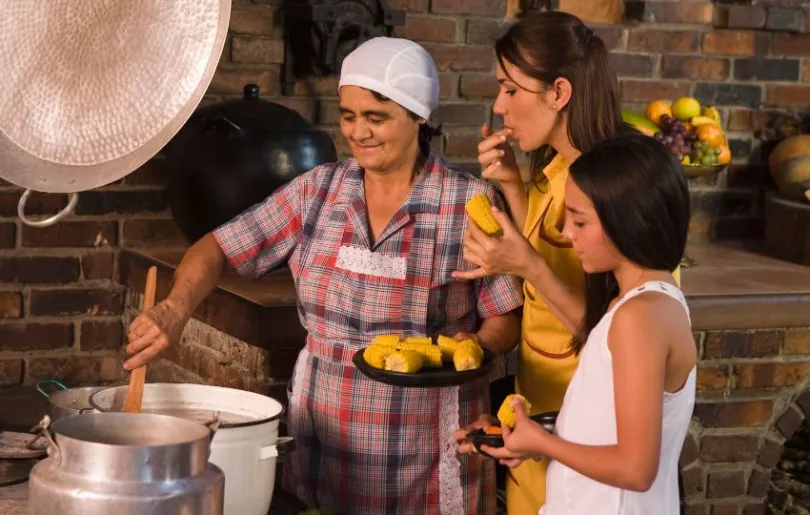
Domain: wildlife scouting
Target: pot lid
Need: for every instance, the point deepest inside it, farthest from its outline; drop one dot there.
(92, 90)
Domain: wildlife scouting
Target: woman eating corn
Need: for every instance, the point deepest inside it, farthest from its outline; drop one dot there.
(372, 242)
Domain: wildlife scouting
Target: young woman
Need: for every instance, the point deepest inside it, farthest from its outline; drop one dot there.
(559, 97)
(627, 409)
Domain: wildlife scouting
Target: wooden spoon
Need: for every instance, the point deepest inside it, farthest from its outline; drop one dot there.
(132, 403)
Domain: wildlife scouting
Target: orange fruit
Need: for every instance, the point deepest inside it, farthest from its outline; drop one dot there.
(725, 155)
(711, 133)
(656, 109)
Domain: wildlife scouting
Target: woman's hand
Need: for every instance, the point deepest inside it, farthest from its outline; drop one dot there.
(465, 446)
(521, 443)
(497, 158)
(510, 254)
(153, 331)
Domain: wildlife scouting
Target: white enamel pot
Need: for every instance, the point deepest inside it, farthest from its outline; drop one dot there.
(245, 446)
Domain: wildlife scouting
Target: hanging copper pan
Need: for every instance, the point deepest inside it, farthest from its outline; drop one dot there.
(91, 90)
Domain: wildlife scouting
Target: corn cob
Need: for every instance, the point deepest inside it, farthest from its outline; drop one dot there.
(387, 340)
(468, 355)
(506, 413)
(375, 355)
(448, 346)
(405, 361)
(479, 208)
(431, 354)
(419, 340)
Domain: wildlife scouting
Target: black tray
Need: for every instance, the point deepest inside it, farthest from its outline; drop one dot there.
(479, 437)
(427, 377)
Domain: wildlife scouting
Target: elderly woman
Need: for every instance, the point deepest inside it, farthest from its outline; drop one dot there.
(372, 242)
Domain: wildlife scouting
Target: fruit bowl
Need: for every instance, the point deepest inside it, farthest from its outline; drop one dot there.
(702, 170)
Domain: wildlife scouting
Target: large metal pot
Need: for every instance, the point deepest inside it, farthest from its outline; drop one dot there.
(67, 402)
(126, 464)
(245, 446)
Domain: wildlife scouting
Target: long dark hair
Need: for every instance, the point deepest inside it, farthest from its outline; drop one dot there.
(639, 192)
(547, 45)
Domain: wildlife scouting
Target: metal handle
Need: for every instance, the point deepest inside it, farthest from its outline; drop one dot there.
(73, 199)
(283, 446)
(49, 381)
(44, 429)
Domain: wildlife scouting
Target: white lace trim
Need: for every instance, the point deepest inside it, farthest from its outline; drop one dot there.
(293, 419)
(362, 261)
(451, 495)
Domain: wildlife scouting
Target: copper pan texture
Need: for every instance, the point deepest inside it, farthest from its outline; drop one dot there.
(90, 90)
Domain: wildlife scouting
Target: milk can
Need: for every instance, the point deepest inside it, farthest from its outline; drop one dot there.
(126, 464)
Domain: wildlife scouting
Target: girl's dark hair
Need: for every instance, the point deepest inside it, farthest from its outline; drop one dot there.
(547, 45)
(639, 192)
(427, 131)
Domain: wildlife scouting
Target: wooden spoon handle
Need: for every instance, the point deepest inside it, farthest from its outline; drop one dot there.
(132, 403)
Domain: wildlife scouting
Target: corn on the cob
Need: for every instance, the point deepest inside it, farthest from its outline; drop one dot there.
(506, 413)
(418, 340)
(375, 355)
(431, 354)
(405, 361)
(448, 346)
(480, 210)
(387, 340)
(468, 355)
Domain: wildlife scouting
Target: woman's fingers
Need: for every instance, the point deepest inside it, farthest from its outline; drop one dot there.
(490, 156)
(492, 141)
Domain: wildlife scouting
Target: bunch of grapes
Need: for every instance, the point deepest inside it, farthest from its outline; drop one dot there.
(704, 154)
(675, 136)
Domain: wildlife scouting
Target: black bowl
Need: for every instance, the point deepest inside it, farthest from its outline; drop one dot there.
(479, 437)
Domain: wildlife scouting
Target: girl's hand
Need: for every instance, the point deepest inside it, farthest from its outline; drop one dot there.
(521, 443)
(465, 446)
(509, 254)
(496, 156)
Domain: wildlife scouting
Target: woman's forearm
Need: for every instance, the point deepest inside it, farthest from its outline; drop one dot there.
(518, 202)
(500, 334)
(566, 305)
(197, 275)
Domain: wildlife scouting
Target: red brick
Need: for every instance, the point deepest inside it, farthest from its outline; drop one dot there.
(251, 50)
(735, 43)
(101, 335)
(448, 83)
(462, 58)
(806, 75)
(756, 508)
(74, 370)
(740, 16)
(10, 304)
(39, 269)
(734, 344)
(694, 68)
(474, 7)
(712, 377)
(102, 202)
(612, 36)
(21, 336)
(411, 6)
(727, 508)
(485, 32)
(789, 45)
(764, 375)
(428, 29)
(729, 448)
(723, 484)
(256, 22)
(76, 302)
(151, 173)
(98, 265)
(328, 112)
(323, 86)
(11, 372)
(694, 481)
(739, 120)
(689, 451)
(695, 509)
(657, 41)
(469, 114)
(72, 234)
(647, 91)
(770, 453)
(789, 422)
(788, 96)
(303, 106)
(632, 65)
(462, 143)
(680, 12)
(785, 19)
(721, 93)
(758, 68)
(233, 81)
(478, 85)
(734, 413)
(37, 204)
(8, 235)
(153, 232)
(797, 341)
(758, 483)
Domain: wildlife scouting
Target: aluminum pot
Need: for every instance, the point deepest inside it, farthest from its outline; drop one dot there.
(246, 445)
(126, 464)
(67, 402)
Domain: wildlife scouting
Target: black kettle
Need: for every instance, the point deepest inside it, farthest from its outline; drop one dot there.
(233, 154)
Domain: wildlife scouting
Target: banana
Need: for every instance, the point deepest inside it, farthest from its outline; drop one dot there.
(713, 113)
(700, 120)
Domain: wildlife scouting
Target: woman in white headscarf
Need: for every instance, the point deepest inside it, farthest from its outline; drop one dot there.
(372, 242)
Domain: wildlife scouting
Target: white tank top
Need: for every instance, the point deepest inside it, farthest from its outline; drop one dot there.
(588, 416)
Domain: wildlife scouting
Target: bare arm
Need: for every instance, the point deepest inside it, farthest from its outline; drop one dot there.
(517, 200)
(500, 334)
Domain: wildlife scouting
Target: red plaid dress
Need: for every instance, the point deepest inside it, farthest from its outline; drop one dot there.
(366, 447)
